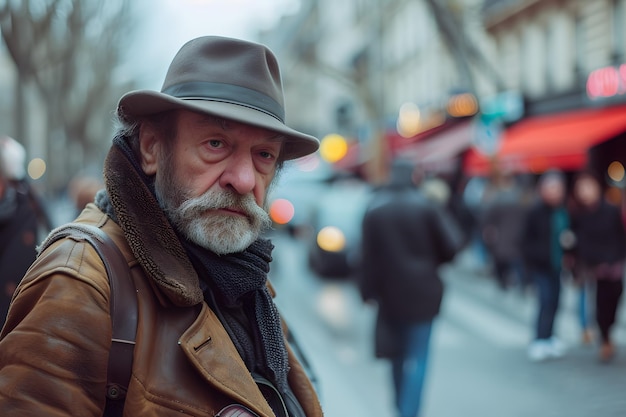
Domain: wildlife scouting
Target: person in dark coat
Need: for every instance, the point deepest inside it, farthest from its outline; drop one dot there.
(599, 253)
(546, 224)
(405, 238)
(19, 221)
(502, 223)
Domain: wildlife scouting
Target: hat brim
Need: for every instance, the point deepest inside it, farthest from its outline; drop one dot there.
(146, 102)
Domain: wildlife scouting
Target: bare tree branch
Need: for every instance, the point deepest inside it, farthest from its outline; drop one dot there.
(68, 50)
(464, 51)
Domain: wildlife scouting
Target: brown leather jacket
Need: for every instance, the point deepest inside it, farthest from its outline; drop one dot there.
(54, 346)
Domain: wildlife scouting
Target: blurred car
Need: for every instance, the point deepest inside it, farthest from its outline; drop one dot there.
(292, 198)
(334, 245)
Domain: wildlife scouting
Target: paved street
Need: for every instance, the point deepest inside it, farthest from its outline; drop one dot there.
(478, 364)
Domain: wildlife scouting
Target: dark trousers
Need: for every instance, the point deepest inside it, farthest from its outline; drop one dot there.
(502, 270)
(548, 287)
(608, 294)
(507, 269)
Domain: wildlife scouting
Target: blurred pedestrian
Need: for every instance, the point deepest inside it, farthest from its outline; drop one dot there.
(599, 253)
(544, 227)
(405, 238)
(501, 225)
(186, 179)
(21, 218)
(473, 198)
(459, 209)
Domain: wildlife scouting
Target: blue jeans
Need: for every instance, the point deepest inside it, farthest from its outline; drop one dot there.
(583, 303)
(548, 292)
(409, 370)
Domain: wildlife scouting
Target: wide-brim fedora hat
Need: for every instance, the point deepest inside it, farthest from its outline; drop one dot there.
(228, 78)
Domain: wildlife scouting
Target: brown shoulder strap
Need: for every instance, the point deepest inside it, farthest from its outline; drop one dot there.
(123, 309)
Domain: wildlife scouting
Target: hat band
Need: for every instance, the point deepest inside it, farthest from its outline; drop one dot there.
(230, 93)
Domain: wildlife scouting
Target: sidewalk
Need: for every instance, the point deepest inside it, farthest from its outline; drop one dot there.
(466, 275)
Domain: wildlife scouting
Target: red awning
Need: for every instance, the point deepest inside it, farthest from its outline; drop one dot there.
(438, 150)
(551, 141)
(397, 143)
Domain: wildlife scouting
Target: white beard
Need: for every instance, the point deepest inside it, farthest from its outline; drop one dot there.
(197, 219)
(219, 233)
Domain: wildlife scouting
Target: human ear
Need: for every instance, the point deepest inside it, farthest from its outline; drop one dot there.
(148, 149)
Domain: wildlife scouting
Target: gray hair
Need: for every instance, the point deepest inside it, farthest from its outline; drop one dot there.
(129, 129)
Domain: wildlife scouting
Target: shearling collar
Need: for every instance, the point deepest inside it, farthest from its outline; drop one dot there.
(148, 232)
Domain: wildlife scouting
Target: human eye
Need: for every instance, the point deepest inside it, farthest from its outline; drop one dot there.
(270, 151)
(269, 155)
(214, 148)
(215, 143)
(267, 159)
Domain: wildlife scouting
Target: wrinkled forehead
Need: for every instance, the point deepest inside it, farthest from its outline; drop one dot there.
(190, 120)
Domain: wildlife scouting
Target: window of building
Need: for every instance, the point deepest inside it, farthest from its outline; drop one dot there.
(596, 24)
(560, 52)
(509, 52)
(533, 59)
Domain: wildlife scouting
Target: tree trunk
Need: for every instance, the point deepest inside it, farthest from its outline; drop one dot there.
(19, 119)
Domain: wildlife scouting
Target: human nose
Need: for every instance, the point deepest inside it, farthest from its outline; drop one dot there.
(239, 175)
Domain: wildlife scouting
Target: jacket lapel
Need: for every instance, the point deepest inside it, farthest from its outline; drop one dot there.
(209, 348)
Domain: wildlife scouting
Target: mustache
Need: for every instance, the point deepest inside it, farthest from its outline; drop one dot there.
(223, 199)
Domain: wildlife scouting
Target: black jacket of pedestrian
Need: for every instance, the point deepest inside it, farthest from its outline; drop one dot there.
(502, 224)
(537, 238)
(405, 238)
(18, 238)
(600, 236)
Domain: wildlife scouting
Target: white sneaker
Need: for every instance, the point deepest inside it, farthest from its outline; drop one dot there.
(556, 348)
(539, 350)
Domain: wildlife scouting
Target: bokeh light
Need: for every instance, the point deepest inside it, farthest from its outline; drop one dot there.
(333, 147)
(409, 118)
(614, 195)
(281, 211)
(616, 171)
(462, 105)
(331, 239)
(36, 168)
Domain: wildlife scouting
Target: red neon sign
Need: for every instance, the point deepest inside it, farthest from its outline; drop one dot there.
(607, 82)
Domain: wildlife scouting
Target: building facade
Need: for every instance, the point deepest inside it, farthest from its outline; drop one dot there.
(365, 59)
(567, 58)
(547, 49)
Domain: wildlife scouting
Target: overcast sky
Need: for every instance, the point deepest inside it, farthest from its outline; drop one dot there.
(167, 24)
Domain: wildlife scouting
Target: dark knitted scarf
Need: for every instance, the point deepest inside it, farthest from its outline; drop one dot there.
(239, 280)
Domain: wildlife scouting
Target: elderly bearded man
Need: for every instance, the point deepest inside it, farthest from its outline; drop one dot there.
(185, 178)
